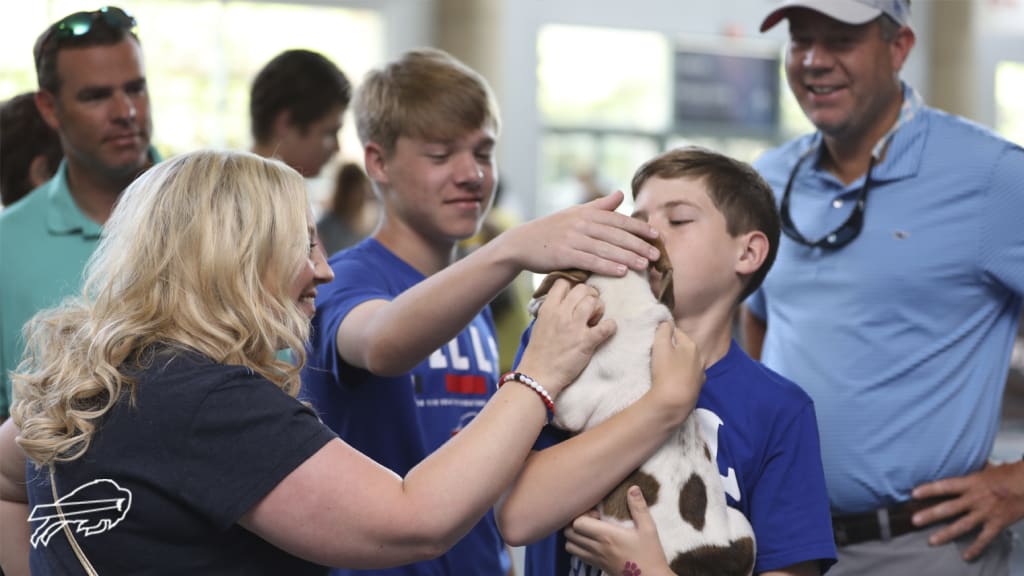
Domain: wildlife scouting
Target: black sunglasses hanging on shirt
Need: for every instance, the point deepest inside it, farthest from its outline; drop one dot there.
(841, 236)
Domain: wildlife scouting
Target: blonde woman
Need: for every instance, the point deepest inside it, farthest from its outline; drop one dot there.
(156, 431)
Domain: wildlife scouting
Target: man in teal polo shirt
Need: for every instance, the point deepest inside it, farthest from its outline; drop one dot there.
(92, 91)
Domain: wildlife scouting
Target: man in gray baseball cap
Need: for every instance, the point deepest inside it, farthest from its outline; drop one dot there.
(895, 296)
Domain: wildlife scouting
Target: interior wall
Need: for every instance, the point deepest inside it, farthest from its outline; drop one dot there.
(408, 23)
(499, 38)
(470, 30)
(999, 31)
(521, 20)
(954, 77)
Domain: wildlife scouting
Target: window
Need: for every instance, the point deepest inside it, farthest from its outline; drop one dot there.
(1009, 111)
(603, 114)
(622, 81)
(201, 56)
(607, 113)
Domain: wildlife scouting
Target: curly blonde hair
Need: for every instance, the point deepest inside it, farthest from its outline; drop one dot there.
(199, 254)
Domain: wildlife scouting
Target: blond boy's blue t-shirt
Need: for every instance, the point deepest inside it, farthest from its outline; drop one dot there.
(398, 421)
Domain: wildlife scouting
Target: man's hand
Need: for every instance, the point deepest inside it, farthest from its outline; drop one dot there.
(991, 499)
(677, 371)
(618, 549)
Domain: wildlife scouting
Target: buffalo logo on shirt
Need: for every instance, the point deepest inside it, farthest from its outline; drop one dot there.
(464, 421)
(92, 508)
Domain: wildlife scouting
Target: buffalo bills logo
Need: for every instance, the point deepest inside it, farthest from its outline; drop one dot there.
(464, 421)
(92, 508)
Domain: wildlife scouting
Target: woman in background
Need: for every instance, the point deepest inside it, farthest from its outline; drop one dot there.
(353, 210)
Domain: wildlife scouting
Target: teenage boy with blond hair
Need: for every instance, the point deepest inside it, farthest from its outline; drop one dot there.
(403, 352)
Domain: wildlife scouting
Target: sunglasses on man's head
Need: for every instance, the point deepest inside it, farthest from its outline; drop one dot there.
(81, 23)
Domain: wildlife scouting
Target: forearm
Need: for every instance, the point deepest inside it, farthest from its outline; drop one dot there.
(14, 527)
(496, 443)
(565, 480)
(591, 237)
(339, 508)
(14, 536)
(404, 331)
(443, 497)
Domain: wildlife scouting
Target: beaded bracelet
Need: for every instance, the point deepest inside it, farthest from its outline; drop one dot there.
(532, 384)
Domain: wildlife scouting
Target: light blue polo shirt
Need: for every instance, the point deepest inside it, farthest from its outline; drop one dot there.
(902, 337)
(45, 241)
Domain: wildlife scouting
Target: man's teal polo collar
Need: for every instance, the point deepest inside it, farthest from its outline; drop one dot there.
(62, 214)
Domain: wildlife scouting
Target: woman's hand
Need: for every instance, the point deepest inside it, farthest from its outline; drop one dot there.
(568, 329)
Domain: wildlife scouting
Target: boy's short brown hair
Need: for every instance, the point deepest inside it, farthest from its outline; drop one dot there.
(24, 136)
(735, 188)
(426, 94)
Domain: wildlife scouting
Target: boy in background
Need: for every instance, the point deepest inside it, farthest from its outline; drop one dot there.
(296, 105)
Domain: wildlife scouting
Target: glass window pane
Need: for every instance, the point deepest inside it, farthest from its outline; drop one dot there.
(199, 80)
(623, 80)
(17, 71)
(201, 56)
(564, 156)
(620, 157)
(1009, 106)
(580, 166)
(744, 149)
(792, 121)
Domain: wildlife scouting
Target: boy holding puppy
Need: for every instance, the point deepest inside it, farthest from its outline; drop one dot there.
(720, 227)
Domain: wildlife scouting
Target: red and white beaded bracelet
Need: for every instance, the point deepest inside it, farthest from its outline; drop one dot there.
(532, 384)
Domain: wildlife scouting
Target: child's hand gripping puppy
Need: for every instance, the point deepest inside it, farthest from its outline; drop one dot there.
(699, 532)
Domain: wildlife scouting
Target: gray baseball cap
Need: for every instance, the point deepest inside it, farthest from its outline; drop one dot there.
(849, 11)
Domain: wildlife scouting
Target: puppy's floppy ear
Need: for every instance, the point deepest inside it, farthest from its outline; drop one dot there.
(665, 293)
(573, 275)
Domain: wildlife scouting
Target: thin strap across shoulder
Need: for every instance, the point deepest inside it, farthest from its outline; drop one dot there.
(86, 565)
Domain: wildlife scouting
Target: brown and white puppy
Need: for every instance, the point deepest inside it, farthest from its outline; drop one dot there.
(699, 532)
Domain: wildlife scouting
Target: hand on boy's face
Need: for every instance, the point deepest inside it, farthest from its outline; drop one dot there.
(654, 278)
(589, 236)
